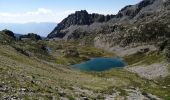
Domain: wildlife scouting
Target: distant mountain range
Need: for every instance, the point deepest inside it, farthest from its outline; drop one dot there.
(42, 29)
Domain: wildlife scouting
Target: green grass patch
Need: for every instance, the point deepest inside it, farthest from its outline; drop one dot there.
(83, 53)
(144, 58)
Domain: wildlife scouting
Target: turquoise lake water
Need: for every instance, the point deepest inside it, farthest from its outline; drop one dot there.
(100, 64)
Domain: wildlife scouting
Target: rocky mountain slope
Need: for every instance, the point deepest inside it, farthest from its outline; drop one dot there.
(147, 21)
(79, 18)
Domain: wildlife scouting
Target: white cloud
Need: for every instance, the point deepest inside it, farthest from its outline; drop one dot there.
(40, 15)
(40, 11)
(8, 15)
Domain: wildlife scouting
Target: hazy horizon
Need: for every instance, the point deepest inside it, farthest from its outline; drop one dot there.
(29, 16)
(42, 28)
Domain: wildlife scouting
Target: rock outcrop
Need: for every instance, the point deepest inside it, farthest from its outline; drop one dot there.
(30, 36)
(8, 33)
(78, 18)
(7, 37)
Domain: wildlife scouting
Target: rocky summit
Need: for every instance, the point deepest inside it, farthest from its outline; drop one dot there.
(78, 18)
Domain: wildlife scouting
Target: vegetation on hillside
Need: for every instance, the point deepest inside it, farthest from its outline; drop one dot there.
(29, 71)
(33, 68)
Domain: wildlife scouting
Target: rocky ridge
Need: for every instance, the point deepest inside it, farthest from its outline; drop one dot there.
(78, 18)
(134, 24)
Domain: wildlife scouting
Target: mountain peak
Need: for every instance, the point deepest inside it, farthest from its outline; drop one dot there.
(146, 9)
(81, 11)
(78, 18)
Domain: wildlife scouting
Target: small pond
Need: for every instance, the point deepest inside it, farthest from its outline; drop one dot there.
(48, 49)
(100, 64)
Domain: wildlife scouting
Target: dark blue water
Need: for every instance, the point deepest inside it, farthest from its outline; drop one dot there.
(100, 64)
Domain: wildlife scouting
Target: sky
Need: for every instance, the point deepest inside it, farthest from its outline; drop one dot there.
(24, 11)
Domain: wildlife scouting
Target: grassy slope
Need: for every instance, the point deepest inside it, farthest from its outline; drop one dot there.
(160, 86)
(45, 79)
(18, 71)
(144, 58)
(85, 52)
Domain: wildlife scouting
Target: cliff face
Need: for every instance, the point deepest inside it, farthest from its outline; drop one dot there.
(145, 22)
(78, 18)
